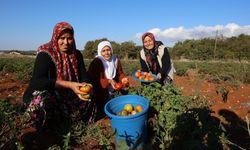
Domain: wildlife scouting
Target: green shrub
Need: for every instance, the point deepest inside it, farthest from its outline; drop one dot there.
(179, 122)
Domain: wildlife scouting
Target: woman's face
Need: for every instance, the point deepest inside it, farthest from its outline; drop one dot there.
(106, 53)
(148, 43)
(65, 41)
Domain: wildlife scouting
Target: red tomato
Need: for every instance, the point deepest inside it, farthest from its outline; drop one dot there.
(151, 78)
(142, 77)
(86, 88)
(118, 86)
(137, 74)
(85, 97)
(138, 108)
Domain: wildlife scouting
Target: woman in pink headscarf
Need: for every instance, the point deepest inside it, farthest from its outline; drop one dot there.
(59, 72)
(104, 72)
(155, 58)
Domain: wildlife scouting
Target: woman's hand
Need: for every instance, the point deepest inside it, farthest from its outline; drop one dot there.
(159, 75)
(112, 83)
(74, 86)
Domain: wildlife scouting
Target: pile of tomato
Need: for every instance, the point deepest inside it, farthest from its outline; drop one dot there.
(128, 110)
(146, 76)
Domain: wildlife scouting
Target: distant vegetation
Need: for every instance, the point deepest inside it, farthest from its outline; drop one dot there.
(208, 56)
(236, 48)
(219, 48)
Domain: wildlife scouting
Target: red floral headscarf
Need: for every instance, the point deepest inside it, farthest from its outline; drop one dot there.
(66, 62)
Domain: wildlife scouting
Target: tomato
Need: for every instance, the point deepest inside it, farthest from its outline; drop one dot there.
(138, 108)
(149, 75)
(118, 86)
(133, 112)
(137, 74)
(128, 108)
(125, 81)
(124, 113)
(151, 78)
(87, 88)
(85, 97)
(142, 77)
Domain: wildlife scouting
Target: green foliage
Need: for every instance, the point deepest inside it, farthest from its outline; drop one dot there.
(82, 133)
(90, 48)
(11, 123)
(66, 141)
(237, 48)
(179, 122)
(125, 50)
(8, 127)
(231, 72)
(23, 67)
(130, 66)
(181, 71)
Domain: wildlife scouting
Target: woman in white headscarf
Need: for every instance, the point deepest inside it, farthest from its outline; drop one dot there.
(105, 71)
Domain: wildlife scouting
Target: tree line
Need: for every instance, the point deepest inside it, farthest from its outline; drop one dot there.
(236, 48)
(125, 50)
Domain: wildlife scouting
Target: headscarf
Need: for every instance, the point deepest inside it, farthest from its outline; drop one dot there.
(66, 62)
(109, 66)
(151, 54)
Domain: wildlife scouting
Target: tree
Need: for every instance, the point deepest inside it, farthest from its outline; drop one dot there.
(128, 50)
(90, 48)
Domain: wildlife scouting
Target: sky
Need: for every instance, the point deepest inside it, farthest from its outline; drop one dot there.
(27, 24)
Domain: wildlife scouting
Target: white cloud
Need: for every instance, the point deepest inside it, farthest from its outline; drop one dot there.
(172, 35)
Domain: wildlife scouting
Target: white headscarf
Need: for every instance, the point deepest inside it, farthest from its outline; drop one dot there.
(110, 65)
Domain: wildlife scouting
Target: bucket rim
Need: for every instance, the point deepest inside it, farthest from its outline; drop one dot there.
(126, 117)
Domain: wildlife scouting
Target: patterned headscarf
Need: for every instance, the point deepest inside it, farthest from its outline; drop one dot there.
(151, 54)
(66, 62)
(148, 34)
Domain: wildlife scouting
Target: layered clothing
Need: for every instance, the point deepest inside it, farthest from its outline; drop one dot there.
(100, 71)
(52, 64)
(157, 60)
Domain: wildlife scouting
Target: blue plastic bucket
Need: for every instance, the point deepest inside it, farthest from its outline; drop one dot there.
(131, 129)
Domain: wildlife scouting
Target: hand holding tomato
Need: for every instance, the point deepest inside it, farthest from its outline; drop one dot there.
(118, 86)
(86, 89)
(159, 75)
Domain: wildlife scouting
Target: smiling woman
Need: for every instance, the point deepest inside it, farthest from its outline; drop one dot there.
(105, 72)
(59, 72)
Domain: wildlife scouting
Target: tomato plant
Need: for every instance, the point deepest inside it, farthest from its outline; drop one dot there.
(176, 121)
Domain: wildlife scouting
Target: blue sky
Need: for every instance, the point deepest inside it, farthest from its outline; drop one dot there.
(26, 24)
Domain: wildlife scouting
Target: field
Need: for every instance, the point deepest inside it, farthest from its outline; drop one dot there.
(224, 87)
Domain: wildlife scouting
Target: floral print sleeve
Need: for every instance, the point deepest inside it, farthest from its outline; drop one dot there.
(36, 109)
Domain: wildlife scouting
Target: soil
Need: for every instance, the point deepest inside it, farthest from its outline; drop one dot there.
(234, 108)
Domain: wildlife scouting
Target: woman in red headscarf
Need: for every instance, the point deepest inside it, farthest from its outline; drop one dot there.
(58, 74)
(155, 58)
